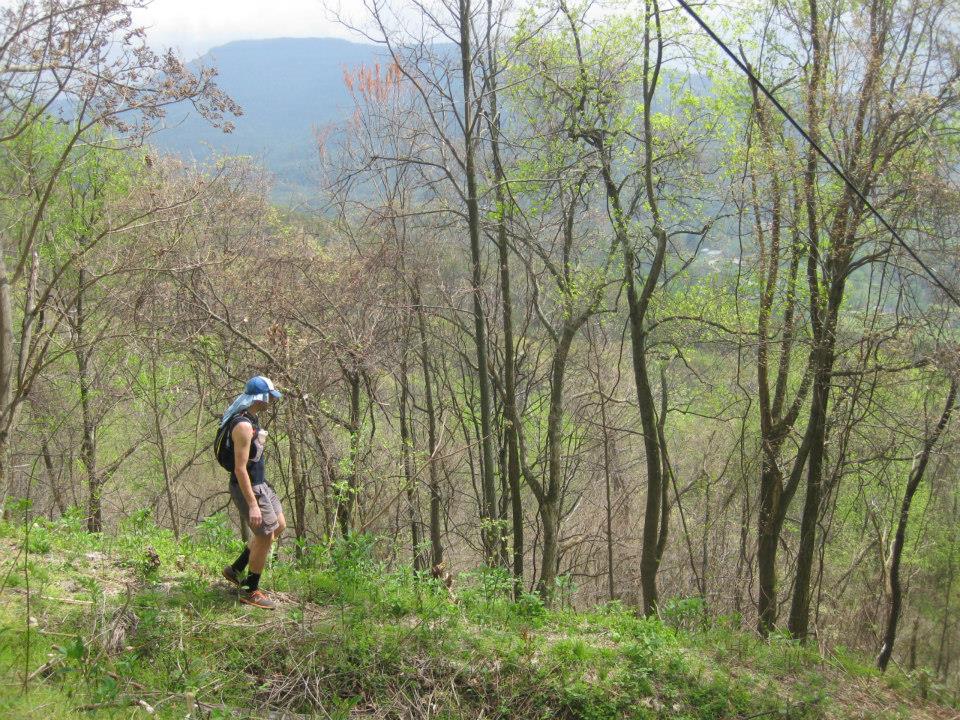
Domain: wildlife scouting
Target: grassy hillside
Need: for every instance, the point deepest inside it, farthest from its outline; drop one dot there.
(140, 623)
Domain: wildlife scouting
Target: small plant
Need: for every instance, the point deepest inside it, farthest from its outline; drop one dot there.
(39, 540)
(139, 523)
(685, 613)
(529, 606)
(215, 530)
(90, 585)
(74, 656)
(922, 680)
(563, 590)
(17, 510)
(493, 583)
(72, 522)
(352, 556)
(149, 565)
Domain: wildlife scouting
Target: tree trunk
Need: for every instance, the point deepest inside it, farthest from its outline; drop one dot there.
(346, 506)
(436, 545)
(161, 443)
(799, 611)
(607, 459)
(636, 309)
(896, 549)
(550, 500)
(654, 530)
(490, 535)
(637, 306)
(800, 607)
(297, 479)
(549, 557)
(54, 484)
(329, 482)
(945, 621)
(649, 555)
(822, 360)
(914, 636)
(88, 442)
(776, 422)
(6, 375)
(705, 544)
(509, 360)
(768, 536)
(406, 442)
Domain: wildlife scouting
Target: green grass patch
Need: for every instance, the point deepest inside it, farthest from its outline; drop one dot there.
(141, 617)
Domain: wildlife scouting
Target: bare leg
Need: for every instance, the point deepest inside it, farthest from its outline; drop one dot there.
(259, 549)
(283, 526)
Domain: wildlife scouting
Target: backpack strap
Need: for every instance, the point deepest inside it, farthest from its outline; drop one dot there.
(225, 432)
(233, 422)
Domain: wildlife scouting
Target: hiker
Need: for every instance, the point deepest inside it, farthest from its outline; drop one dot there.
(239, 447)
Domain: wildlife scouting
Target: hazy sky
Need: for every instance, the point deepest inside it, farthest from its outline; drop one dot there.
(194, 26)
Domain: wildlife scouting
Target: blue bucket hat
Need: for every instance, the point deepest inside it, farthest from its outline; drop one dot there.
(258, 388)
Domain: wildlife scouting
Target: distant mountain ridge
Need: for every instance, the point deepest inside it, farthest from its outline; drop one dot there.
(287, 87)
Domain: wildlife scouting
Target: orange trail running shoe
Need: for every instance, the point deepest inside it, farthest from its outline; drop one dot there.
(257, 598)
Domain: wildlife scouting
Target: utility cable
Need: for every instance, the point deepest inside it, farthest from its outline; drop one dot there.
(806, 136)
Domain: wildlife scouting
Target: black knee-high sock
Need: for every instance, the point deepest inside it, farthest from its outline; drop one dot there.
(251, 582)
(241, 562)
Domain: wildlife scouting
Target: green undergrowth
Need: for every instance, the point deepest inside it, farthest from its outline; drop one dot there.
(137, 623)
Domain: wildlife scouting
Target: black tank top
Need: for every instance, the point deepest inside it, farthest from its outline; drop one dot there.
(255, 468)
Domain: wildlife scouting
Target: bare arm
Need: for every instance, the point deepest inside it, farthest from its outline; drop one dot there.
(242, 435)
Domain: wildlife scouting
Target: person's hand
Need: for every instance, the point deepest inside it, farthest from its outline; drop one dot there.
(255, 517)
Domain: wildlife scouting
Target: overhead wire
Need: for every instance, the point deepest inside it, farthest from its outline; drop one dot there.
(820, 151)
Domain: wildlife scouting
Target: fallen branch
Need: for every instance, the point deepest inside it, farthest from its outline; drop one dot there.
(45, 669)
(126, 702)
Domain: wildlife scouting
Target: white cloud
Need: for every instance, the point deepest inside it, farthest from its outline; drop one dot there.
(194, 26)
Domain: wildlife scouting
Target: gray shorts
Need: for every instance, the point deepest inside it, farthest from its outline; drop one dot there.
(269, 504)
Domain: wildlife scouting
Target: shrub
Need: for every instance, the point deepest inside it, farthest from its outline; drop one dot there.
(215, 530)
(530, 606)
(685, 613)
(38, 539)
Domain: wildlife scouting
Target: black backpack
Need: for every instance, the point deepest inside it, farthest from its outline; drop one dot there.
(223, 442)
